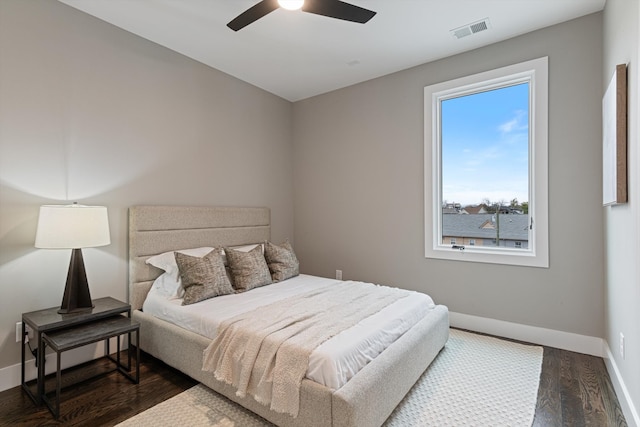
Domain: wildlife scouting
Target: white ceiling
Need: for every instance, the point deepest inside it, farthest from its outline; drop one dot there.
(297, 55)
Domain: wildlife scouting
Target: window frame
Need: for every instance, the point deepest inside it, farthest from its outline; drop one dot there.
(535, 72)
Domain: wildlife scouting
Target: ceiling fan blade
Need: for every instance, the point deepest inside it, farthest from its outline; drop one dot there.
(338, 9)
(252, 14)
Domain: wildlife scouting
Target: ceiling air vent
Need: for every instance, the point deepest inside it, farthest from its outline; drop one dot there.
(473, 28)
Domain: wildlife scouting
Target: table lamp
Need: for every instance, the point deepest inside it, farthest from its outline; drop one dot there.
(73, 227)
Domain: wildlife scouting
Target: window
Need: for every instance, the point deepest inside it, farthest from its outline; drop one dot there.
(485, 148)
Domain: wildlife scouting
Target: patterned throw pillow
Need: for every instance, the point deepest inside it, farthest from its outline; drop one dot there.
(248, 269)
(203, 278)
(281, 260)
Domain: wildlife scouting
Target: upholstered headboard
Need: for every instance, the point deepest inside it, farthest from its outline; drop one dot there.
(157, 229)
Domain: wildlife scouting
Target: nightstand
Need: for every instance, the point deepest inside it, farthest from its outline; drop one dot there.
(62, 332)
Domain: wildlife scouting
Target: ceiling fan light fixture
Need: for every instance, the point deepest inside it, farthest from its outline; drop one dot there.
(291, 4)
(330, 8)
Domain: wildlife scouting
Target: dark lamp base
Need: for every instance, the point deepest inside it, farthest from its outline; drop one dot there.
(77, 298)
(75, 310)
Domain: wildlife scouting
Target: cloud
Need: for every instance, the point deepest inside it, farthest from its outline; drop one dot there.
(508, 126)
(519, 122)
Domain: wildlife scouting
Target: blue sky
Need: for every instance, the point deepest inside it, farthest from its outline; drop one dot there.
(485, 146)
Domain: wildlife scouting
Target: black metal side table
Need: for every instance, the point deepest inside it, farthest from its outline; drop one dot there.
(48, 322)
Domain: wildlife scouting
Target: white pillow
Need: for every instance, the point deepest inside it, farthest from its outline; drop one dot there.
(169, 283)
(167, 261)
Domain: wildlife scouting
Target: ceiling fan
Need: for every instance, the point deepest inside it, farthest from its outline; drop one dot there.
(331, 8)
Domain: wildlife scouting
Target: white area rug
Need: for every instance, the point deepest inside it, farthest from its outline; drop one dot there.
(475, 381)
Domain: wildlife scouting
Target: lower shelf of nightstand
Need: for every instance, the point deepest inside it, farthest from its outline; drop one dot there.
(88, 333)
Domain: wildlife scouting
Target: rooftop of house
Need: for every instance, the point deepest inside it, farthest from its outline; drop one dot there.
(484, 226)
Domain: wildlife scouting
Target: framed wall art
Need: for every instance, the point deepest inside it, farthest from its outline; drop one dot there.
(614, 139)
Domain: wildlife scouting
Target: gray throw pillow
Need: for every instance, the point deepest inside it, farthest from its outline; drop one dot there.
(281, 260)
(203, 278)
(248, 269)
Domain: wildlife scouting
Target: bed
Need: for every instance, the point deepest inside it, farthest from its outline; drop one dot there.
(366, 399)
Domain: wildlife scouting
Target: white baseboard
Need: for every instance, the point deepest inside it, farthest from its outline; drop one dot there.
(532, 334)
(10, 376)
(628, 408)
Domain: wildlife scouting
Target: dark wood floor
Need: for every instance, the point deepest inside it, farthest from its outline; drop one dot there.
(575, 390)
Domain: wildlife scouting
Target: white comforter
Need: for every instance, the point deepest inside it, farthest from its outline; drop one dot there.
(335, 361)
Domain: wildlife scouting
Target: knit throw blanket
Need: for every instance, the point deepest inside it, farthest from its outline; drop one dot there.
(265, 352)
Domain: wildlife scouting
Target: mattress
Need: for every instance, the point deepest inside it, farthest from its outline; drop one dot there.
(331, 364)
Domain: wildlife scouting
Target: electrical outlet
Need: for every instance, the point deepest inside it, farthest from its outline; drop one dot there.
(622, 345)
(338, 274)
(28, 331)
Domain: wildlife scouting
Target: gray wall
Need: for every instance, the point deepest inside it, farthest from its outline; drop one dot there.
(622, 297)
(93, 114)
(358, 172)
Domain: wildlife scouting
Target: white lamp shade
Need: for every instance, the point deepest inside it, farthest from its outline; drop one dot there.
(72, 227)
